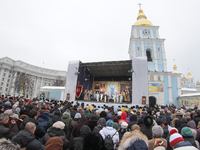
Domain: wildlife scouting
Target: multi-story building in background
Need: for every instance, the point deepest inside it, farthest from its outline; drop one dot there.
(18, 78)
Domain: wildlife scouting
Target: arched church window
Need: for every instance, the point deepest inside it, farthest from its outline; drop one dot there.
(151, 78)
(159, 49)
(159, 78)
(138, 48)
(148, 54)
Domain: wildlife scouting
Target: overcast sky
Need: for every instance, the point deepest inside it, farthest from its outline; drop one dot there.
(49, 33)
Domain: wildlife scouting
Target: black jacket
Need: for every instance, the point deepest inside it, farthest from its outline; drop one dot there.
(6, 132)
(38, 132)
(52, 132)
(27, 139)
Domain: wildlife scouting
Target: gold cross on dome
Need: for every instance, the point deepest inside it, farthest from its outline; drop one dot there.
(139, 5)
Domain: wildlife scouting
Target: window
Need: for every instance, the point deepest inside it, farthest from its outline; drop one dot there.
(4, 74)
(9, 76)
(8, 80)
(151, 78)
(158, 49)
(2, 79)
(138, 48)
(0, 88)
(7, 85)
(6, 89)
(148, 54)
(1, 83)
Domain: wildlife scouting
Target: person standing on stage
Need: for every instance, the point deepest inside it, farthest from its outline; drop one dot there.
(97, 96)
(124, 96)
(121, 97)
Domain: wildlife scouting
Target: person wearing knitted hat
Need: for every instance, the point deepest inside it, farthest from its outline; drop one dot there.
(109, 130)
(178, 143)
(187, 135)
(157, 132)
(54, 143)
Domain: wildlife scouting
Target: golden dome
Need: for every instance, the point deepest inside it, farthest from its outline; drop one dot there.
(142, 19)
(175, 69)
(189, 75)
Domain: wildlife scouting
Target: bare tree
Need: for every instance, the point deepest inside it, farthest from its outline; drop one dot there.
(25, 83)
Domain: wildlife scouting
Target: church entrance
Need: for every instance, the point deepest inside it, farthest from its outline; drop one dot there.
(152, 101)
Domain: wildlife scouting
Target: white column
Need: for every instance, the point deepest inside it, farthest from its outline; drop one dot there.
(164, 56)
(170, 90)
(179, 85)
(36, 83)
(12, 92)
(155, 56)
(143, 51)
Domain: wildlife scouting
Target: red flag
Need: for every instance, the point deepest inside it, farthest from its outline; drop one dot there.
(78, 90)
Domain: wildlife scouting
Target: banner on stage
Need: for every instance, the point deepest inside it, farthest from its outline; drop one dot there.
(79, 89)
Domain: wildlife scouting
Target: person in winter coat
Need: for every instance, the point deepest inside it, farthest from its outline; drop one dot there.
(67, 119)
(32, 115)
(77, 143)
(147, 130)
(157, 132)
(123, 117)
(123, 127)
(165, 127)
(178, 143)
(186, 132)
(197, 118)
(7, 144)
(4, 131)
(93, 115)
(133, 120)
(100, 124)
(56, 130)
(191, 124)
(134, 141)
(43, 119)
(26, 138)
(109, 130)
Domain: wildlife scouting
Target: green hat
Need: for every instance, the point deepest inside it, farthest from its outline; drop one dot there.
(186, 132)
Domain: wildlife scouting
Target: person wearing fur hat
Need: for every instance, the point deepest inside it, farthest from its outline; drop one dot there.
(178, 143)
(133, 120)
(109, 130)
(157, 132)
(186, 132)
(147, 130)
(134, 141)
(54, 143)
(56, 130)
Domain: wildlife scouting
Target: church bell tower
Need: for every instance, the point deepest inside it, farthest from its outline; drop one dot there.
(145, 41)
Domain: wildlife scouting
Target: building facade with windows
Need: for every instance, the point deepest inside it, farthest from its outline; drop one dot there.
(18, 78)
(164, 86)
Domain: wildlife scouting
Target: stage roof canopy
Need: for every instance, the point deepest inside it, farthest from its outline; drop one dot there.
(109, 68)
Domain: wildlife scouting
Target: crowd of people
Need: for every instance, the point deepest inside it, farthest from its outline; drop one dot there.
(31, 124)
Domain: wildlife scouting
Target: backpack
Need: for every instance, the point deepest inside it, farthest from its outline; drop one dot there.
(108, 142)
